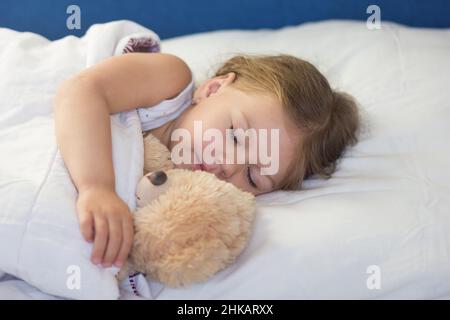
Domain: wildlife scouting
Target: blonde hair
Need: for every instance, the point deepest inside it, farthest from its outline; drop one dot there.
(327, 120)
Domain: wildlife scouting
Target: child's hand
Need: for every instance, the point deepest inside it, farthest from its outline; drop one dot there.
(105, 219)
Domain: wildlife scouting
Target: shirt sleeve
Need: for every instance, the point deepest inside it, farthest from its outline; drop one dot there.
(169, 109)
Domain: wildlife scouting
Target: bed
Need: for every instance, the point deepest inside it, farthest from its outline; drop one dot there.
(380, 227)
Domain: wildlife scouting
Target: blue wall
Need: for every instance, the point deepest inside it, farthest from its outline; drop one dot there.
(171, 18)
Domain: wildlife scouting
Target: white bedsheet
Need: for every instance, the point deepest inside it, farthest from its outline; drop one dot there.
(387, 208)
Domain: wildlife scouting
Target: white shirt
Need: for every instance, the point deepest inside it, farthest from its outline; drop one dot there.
(167, 110)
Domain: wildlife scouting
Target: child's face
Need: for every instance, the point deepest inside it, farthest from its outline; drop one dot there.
(219, 105)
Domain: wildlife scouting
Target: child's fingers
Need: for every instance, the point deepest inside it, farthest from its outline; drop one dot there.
(127, 241)
(101, 239)
(87, 226)
(114, 241)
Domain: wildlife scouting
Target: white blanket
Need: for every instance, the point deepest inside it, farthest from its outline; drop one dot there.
(40, 239)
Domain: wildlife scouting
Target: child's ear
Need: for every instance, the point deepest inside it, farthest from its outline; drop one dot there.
(220, 82)
(213, 85)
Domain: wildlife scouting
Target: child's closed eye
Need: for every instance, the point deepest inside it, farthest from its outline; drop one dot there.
(233, 135)
(249, 178)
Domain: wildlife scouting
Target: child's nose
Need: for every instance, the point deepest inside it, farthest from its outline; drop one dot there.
(229, 170)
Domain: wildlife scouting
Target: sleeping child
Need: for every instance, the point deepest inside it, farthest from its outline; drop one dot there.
(280, 94)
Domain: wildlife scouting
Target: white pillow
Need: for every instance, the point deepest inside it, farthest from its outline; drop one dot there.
(385, 212)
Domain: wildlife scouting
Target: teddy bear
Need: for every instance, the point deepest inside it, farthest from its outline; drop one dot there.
(188, 224)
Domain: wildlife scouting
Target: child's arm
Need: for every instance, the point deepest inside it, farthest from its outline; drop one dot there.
(82, 107)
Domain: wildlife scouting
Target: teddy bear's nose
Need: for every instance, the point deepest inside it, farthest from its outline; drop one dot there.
(157, 178)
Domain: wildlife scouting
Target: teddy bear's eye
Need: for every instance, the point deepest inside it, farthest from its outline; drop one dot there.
(157, 178)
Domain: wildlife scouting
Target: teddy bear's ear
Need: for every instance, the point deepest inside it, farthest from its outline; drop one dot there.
(156, 155)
